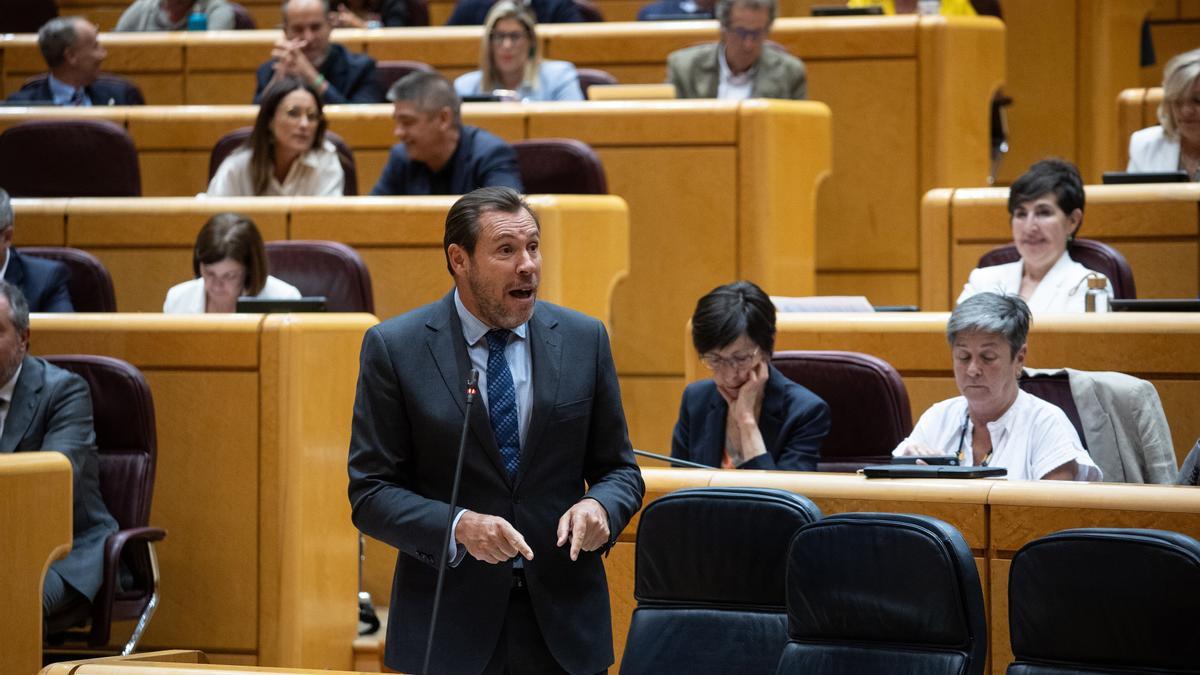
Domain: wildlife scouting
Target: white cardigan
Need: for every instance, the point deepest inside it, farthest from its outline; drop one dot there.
(1062, 290)
(1150, 151)
(188, 297)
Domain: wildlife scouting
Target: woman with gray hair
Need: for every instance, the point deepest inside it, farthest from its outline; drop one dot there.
(1175, 143)
(994, 422)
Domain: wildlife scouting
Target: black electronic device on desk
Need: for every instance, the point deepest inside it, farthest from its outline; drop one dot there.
(248, 305)
(932, 471)
(1155, 305)
(842, 10)
(1126, 177)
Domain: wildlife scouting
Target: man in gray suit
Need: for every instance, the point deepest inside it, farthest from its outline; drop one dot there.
(738, 67)
(43, 407)
(548, 480)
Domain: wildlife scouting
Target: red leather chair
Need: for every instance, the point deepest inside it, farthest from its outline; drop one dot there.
(1055, 389)
(69, 158)
(123, 414)
(326, 268)
(868, 404)
(26, 16)
(590, 76)
(388, 72)
(237, 138)
(589, 10)
(242, 19)
(132, 92)
(1092, 254)
(418, 13)
(560, 166)
(90, 286)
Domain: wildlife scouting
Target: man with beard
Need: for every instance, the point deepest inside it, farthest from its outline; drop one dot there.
(47, 408)
(437, 153)
(548, 480)
(305, 53)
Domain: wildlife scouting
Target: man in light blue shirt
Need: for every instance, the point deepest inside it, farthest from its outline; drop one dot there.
(71, 47)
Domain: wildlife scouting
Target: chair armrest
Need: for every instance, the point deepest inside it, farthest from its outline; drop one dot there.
(103, 603)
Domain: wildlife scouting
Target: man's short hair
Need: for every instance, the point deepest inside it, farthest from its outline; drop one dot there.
(6, 211)
(325, 3)
(462, 222)
(727, 312)
(55, 37)
(725, 8)
(17, 304)
(428, 92)
(1057, 176)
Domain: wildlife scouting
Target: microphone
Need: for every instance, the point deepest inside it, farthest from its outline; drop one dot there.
(472, 390)
(672, 460)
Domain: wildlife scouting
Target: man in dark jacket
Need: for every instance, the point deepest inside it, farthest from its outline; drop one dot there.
(43, 282)
(71, 48)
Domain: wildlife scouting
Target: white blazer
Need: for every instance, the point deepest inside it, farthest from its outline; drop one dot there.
(1061, 291)
(188, 297)
(1151, 151)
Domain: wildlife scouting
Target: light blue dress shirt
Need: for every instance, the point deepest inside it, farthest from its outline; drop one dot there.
(62, 93)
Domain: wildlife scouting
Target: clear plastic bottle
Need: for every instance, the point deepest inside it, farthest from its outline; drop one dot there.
(929, 7)
(1097, 298)
(197, 20)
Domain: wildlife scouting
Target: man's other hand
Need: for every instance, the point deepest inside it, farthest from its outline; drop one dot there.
(490, 538)
(585, 525)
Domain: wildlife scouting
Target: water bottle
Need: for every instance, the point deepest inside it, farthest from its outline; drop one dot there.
(929, 7)
(197, 20)
(1097, 296)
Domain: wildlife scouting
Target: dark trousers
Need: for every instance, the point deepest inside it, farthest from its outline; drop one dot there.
(521, 648)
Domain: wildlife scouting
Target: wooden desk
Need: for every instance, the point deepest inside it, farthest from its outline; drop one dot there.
(35, 528)
(167, 662)
(1156, 227)
(253, 421)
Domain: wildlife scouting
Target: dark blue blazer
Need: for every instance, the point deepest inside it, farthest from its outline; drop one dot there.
(480, 160)
(793, 423)
(351, 77)
(104, 91)
(44, 282)
(474, 12)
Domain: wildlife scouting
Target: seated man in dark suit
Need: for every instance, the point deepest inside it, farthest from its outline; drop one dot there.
(49, 408)
(305, 52)
(71, 47)
(474, 12)
(437, 153)
(43, 282)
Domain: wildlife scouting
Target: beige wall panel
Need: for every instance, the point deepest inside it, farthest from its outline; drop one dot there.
(221, 88)
(141, 277)
(143, 53)
(682, 220)
(379, 565)
(191, 128)
(173, 174)
(1179, 403)
(222, 52)
(1001, 645)
(160, 89)
(1042, 117)
(506, 120)
(867, 215)
(881, 288)
(102, 222)
(1169, 39)
(1163, 269)
(651, 407)
(404, 279)
(651, 73)
(362, 125)
(224, 342)
(618, 566)
(418, 222)
(619, 123)
(205, 514)
(925, 391)
(1189, 9)
(39, 222)
(458, 46)
(368, 165)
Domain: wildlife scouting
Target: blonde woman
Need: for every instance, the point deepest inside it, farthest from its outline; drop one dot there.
(1175, 143)
(509, 61)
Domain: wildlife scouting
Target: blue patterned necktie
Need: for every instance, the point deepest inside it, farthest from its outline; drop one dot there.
(77, 97)
(502, 402)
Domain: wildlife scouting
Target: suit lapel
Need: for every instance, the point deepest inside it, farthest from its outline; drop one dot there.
(448, 348)
(15, 272)
(20, 416)
(711, 449)
(710, 75)
(770, 420)
(546, 356)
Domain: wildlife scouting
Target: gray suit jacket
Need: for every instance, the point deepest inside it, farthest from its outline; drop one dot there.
(52, 410)
(696, 73)
(407, 419)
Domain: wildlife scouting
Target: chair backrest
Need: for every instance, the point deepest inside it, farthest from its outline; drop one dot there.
(242, 19)
(590, 76)
(90, 286)
(857, 387)
(69, 158)
(589, 10)
(883, 593)
(417, 13)
(1055, 388)
(133, 93)
(388, 72)
(709, 580)
(1105, 601)
(560, 166)
(1092, 254)
(237, 138)
(326, 268)
(26, 16)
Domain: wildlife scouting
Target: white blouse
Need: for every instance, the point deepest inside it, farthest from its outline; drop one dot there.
(316, 173)
(1062, 290)
(188, 297)
(1031, 439)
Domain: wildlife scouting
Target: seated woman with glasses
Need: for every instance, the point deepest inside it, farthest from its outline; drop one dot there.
(1175, 142)
(749, 415)
(287, 153)
(228, 261)
(994, 422)
(510, 65)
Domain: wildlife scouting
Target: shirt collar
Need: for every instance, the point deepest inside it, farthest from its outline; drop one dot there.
(473, 328)
(60, 91)
(727, 73)
(6, 392)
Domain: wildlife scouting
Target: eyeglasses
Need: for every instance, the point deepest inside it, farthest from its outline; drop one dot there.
(499, 38)
(735, 362)
(296, 113)
(744, 34)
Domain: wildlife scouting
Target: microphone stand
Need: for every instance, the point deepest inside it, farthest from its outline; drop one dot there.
(672, 460)
(472, 390)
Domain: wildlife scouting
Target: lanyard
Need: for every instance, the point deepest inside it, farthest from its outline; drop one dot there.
(962, 436)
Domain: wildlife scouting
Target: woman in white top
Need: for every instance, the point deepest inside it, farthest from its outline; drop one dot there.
(993, 422)
(1046, 206)
(509, 61)
(229, 261)
(1175, 143)
(287, 153)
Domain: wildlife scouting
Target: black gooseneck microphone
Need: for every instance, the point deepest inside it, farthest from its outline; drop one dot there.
(472, 390)
(672, 460)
